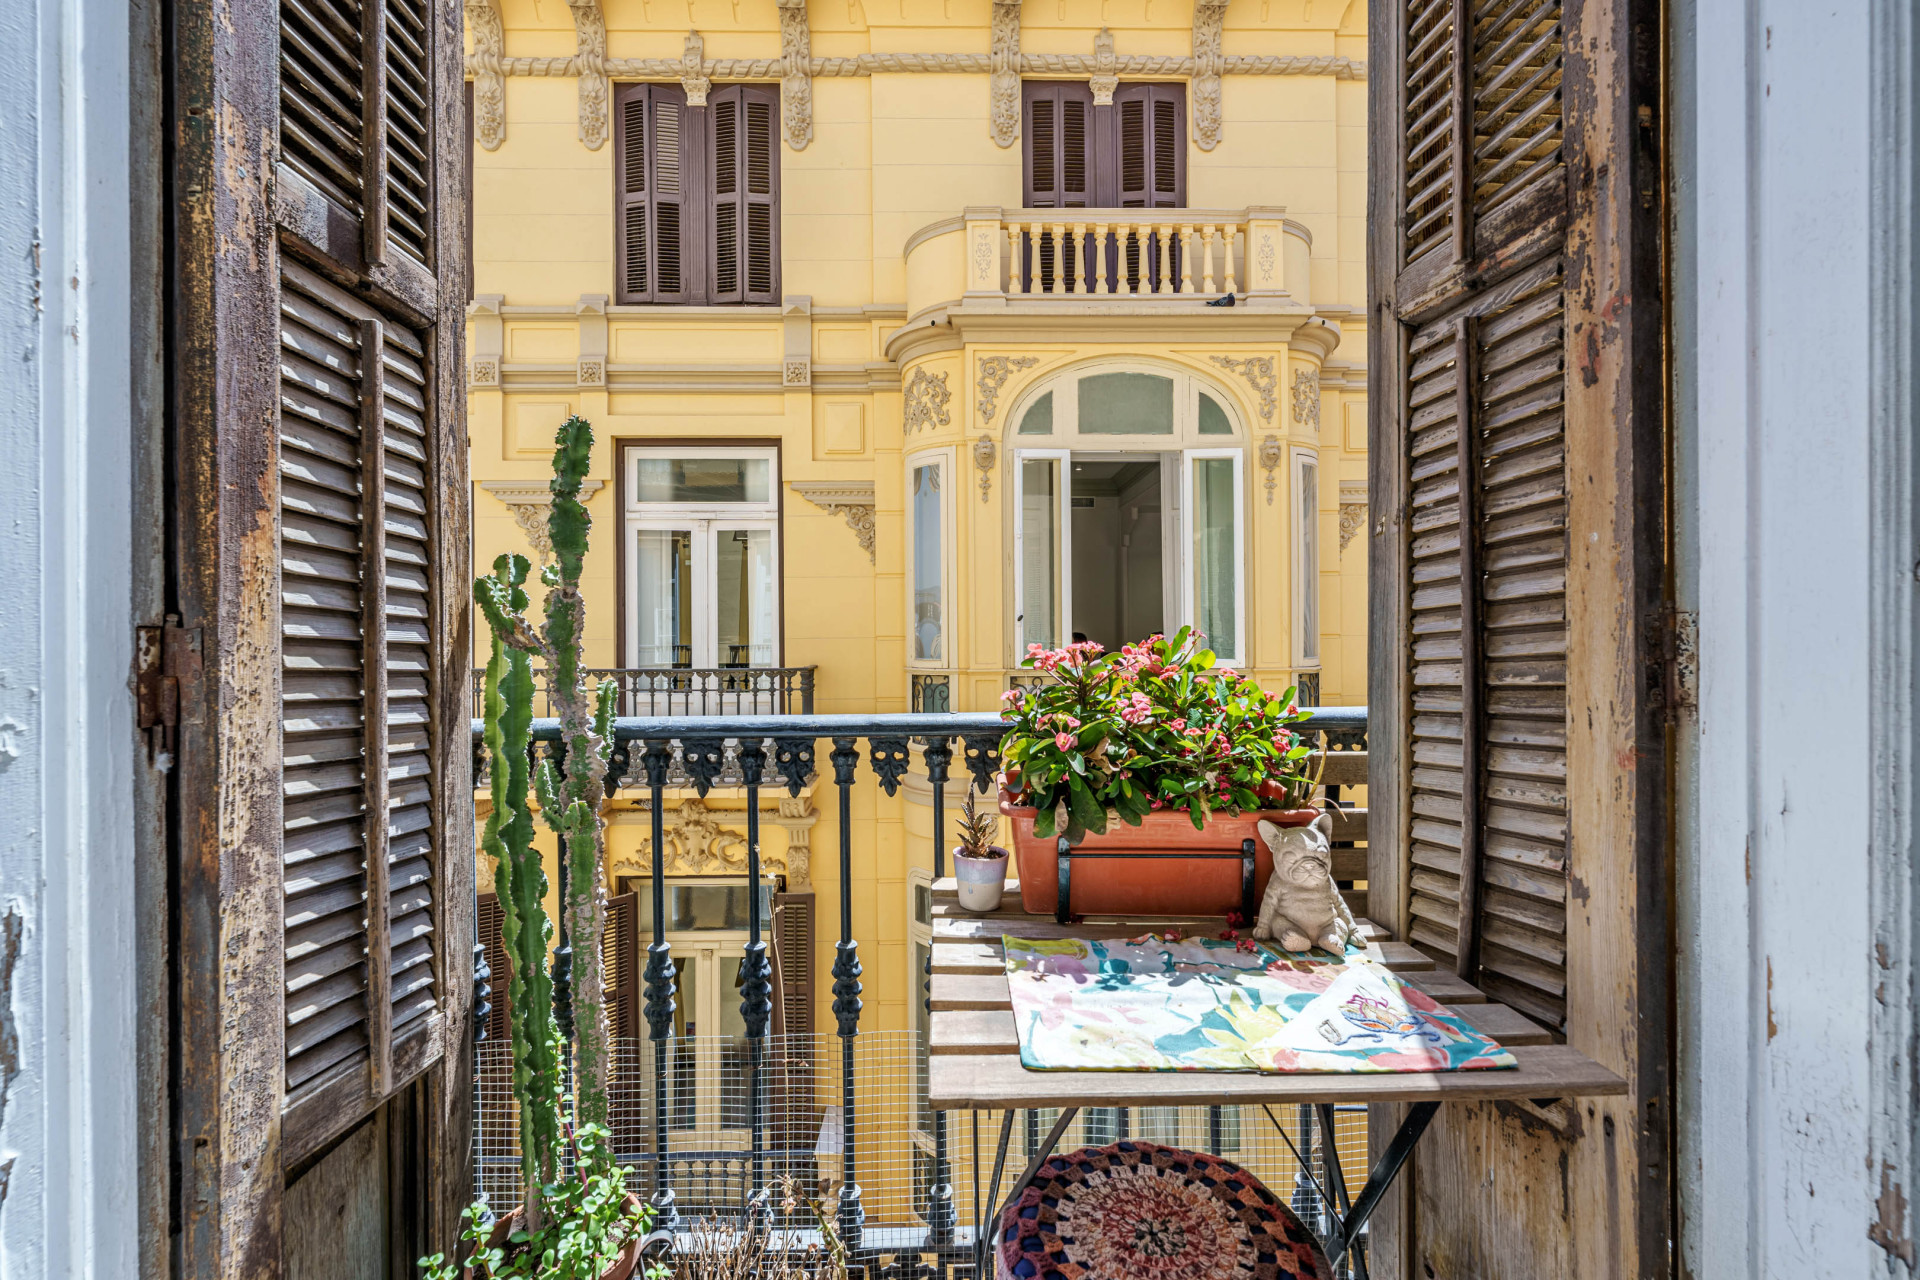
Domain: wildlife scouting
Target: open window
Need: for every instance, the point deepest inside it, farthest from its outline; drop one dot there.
(929, 586)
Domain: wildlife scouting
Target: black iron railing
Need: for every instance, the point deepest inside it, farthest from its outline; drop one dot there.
(693, 691)
(774, 750)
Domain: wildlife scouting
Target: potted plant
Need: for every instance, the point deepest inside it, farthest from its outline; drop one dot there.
(582, 1225)
(979, 865)
(1155, 749)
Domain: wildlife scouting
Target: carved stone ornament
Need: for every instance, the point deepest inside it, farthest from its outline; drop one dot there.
(1271, 455)
(591, 373)
(852, 499)
(926, 399)
(797, 373)
(489, 76)
(1003, 88)
(1106, 69)
(1306, 398)
(1207, 65)
(484, 373)
(703, 842)
(596, 88)
(796, 74)
(994, 372)
(693, 76)
(1260, 375)
(984, 455)
(530, 501)
(1353, 510)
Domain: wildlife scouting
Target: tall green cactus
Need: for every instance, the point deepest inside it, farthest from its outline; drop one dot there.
(518, 878)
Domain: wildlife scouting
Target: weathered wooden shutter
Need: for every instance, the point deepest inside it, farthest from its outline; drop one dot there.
(793, 964)
(1517, 569)
(659, 209)
(1149, 160)
(743, 219)
(487, 934)
(620, 965)
(1058, 144)
(409, 124)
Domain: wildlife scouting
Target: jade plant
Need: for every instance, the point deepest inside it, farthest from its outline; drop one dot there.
(569, 801)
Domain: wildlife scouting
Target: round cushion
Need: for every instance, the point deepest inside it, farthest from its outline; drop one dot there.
(1139, 1211)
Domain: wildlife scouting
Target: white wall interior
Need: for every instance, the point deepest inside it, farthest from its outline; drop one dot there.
(1793, 495)
(68, 1118)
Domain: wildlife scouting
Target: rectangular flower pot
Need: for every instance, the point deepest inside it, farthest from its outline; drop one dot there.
(1205, 876)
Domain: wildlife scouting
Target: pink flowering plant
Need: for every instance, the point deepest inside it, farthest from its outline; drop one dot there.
(1158, 725)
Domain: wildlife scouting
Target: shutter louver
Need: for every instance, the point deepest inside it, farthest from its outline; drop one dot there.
(723, 116)
(762, 191)
(1431, 127)
(488, 934)
(321, 96)
(1058, 144)
(357, 661)
(793, 963)
(408, 137)
(1042, 140)
(1517, 50)
(1076, 153)
(631, 150)
(667, 174)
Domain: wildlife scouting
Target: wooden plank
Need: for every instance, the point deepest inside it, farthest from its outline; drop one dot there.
(1343, 768)
(1351, 825)
(950, 991)
(1472, 694)
(1403, 957)
(973, 956)
(373, 667)
(1447, 987)
(991, 1082)
(1508, 1026)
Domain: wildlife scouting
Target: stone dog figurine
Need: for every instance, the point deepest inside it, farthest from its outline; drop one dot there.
(1303, 907)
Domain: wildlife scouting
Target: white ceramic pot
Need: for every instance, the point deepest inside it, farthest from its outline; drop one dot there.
(981, 880)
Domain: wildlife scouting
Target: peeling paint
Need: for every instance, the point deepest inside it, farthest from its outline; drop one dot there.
(1889, 1227)
(12, 927)
(1773, 1028)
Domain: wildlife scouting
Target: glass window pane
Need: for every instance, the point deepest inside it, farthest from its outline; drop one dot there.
(692, 908)
(682, 1088)
(923, 903)
(1309, 561)
(1215, 553)
(704, 480)
(663, 586)
(1126, 404)
(733, 1074)
(1038, 420)
(744, 623)
(1039, 552)
(1213, 419)
(927, 621)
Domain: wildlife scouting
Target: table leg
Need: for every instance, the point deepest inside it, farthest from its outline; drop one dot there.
(990, 1237)
(993, 1191)
(1337, 1180)
(1379, 1178)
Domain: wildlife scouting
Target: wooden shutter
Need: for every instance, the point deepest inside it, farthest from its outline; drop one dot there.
(1148, 162)
(488, 935)
(620, 965)
(1058, 142)
(1517, 784)
(743, 220)
(409, 140)
(659, 209)
(322, 96)
(793, 964)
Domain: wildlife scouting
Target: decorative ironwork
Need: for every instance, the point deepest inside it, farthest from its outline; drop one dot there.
(932, 693)
(793, 757)
(982, 754)
(703, 759)
(889, 757)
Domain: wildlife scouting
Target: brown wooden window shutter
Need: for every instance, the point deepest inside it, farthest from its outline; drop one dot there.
(1149, 165)
(487, 934)
(1058, 144)
(357, 653)
(743, 265)
(1482, 457)
(793, 964)
(409, 140)
(620, 965)
(323, 95)
(659, 224)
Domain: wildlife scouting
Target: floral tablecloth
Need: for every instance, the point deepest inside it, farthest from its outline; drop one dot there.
(1156, 1003)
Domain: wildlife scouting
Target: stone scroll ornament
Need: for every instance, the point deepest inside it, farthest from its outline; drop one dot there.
(1003, 88)
(796, 74)
(1207, 66)
(489, 76)
(925, 401)
(596, 88)
(994, 372)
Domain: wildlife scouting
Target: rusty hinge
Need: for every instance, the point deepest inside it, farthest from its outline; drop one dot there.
(163, 657)
(1680, 661)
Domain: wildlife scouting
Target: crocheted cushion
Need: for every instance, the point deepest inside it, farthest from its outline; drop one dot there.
(1139, 1211)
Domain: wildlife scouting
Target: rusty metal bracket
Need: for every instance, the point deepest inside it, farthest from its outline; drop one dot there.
(163, 657)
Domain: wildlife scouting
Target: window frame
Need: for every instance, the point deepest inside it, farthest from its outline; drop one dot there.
(1305, 542)
(1240, 539)
(1064, 385)
(942, 462)
(703, 520)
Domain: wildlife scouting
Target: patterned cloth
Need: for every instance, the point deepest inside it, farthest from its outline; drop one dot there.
(1137, 1211)
(1205, 1004)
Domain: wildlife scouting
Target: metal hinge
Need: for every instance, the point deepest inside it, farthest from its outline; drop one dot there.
(1680, 661)
(163, 657)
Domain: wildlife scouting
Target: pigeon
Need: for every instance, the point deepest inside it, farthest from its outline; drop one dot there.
(1222, 302)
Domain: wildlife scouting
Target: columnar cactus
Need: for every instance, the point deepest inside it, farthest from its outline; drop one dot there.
(569, 801)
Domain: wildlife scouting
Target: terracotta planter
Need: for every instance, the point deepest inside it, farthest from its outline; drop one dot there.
(980, 881)
(624, 1265)
(1148, 886)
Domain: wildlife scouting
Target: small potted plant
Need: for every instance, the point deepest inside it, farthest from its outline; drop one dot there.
(979, 865)
(1155, 748)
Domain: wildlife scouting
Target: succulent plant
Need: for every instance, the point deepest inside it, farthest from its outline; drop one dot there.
(977, 830)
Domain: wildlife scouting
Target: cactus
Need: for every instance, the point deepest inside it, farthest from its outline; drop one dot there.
(518, 878)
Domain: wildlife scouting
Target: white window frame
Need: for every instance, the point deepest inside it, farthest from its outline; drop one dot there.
(1186, 568)
(942, 461)
(1306, 560)
(1064, 384)
(701, 520)
(1063, 540)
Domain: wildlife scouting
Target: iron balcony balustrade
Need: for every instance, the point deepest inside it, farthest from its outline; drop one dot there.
(692, 691)
(777, 750)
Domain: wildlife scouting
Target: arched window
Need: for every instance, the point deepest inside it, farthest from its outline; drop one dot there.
(1129, 507)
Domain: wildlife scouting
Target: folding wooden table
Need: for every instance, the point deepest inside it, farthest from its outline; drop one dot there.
(975, 1053)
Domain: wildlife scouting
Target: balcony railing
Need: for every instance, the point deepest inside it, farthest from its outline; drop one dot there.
(693, 691)
(889, 1161)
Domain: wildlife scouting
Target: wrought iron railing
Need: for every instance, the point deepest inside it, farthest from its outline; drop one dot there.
(756, 751)
(693, 691)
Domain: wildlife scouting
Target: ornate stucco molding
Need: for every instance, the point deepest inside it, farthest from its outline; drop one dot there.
(1260, 375)
(1106, 74)
(925, 401)
(1353, 510)
(994, 372)
(694, 77)
(529, 501)
(590, 58)
(984, 455)
(489, 80)
(796, 74)
(978, 64)
(1003, 89)
(1306, 398)
(1271, 455)
(704, 842)
(1207, 66)
(850, 498)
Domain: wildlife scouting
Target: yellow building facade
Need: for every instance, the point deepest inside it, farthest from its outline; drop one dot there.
(913, 332)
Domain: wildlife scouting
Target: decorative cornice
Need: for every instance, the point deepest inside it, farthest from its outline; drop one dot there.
(796, 74)
(530, 500)
(1260, 375)
(489, 81)
(692, 69)
(590, 59)
(850, 498)
(994, 372)
(926, 398)
(868, 64)
(1106, 69)
(704, 842)
(1003, 89)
